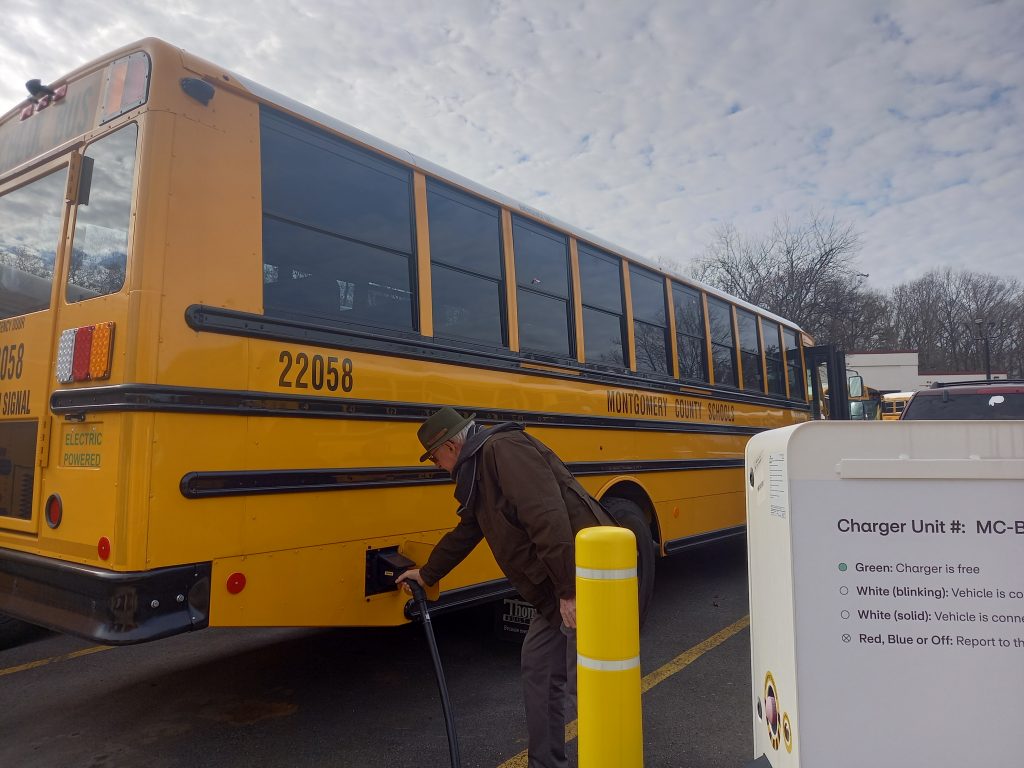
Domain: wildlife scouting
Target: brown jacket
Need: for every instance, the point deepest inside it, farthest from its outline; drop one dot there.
(528, 507)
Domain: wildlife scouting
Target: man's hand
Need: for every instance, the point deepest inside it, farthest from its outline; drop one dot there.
(412, 574)
(567, 608)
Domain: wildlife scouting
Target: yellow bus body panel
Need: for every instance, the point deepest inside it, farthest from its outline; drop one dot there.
(195, 240)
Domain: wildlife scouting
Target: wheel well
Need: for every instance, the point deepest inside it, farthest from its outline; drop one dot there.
(636, 494)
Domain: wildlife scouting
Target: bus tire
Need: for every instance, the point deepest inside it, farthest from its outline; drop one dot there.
(628, 515)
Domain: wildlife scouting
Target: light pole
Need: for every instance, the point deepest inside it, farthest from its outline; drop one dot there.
(983, 332)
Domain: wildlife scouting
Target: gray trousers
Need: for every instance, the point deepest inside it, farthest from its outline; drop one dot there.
(549, 690)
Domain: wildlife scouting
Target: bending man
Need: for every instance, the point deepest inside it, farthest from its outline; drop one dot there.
(517, 494)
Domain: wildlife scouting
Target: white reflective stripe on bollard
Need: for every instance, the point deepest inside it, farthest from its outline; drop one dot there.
(607, 666)
(606, 573)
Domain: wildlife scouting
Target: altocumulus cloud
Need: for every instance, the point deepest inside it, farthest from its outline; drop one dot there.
(648, 123)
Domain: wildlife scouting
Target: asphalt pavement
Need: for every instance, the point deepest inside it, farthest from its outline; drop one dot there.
(367, 697)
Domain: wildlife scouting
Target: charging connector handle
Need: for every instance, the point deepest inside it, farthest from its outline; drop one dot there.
(442, 685)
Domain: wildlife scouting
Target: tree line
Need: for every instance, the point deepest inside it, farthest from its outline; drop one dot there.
(808, 272)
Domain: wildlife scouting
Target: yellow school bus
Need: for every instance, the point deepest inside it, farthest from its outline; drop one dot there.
(893, 404)
(223, 315)
(867, 405)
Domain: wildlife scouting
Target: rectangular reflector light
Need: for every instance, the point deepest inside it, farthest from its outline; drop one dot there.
(85, 353)
(65, 351)
(99, 358)
(80, 357)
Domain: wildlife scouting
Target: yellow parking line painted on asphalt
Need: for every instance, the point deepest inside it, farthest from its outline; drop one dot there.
(55, 659)
(688, 657)
(659, 675)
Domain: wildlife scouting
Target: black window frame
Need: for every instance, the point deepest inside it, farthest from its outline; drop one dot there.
(314, 226)
(537, 289)
(795, 373)
(438, 264)
(773, 363)
(700, 342)
(586, 251)
(744, 317)
(714, 303)
(650, 324)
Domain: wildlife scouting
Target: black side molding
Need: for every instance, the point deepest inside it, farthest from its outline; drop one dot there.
(678, 545)
(106, 607)
(463, 597)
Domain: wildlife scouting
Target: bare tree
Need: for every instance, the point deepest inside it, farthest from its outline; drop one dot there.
(937, 313)
(808, 273)
(804, 272)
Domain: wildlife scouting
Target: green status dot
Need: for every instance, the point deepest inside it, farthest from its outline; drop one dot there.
(842, 566)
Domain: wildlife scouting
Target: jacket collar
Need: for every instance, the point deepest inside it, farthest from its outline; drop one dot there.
(464, 470)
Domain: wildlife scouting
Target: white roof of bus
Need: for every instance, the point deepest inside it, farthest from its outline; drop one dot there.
(897, 395)
(362, 137)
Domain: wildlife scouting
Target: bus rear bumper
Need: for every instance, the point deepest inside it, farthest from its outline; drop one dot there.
(104, 606)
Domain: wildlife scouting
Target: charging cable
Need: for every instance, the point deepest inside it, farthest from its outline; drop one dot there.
(442, 686)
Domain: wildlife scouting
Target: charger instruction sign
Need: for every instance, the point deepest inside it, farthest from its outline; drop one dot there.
(887, 593)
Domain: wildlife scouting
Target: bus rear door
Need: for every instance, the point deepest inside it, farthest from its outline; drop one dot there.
(34, 220)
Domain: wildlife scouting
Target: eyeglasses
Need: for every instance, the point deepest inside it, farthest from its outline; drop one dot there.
(433, 458)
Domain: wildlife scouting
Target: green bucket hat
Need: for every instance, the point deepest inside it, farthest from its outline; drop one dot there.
(444, 424)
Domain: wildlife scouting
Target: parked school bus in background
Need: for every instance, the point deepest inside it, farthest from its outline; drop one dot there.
(893, 404)
(865, 402)
(224, 315)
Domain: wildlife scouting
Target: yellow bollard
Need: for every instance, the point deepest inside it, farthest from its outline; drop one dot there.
(608, 649)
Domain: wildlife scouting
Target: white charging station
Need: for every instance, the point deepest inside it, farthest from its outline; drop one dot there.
(886, 567)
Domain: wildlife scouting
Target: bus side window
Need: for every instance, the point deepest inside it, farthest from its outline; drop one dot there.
(328, 278)
(542, 292)
(467, 273)
(604, 328)
(794, 365)
(723, 344)
(690, 341)
(773, 356)
(337, 229)
(650, 324)
(750, 351)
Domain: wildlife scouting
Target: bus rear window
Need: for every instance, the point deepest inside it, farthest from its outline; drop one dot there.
(990, 405)
(30, 219)
(100, 253)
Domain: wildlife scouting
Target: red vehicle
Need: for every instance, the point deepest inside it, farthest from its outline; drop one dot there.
(1001, 400)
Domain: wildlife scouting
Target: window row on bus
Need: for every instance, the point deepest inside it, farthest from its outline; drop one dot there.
(340, 245)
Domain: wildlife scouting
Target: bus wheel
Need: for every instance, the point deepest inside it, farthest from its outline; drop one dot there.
(628, 515)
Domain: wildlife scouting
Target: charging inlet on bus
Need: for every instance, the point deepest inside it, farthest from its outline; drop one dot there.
(383, 566)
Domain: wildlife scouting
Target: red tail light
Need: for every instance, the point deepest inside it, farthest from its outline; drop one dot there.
(236, 583)
(54, 511)
(80, 357)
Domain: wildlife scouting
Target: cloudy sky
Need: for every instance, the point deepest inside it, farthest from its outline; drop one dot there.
(649, 123)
